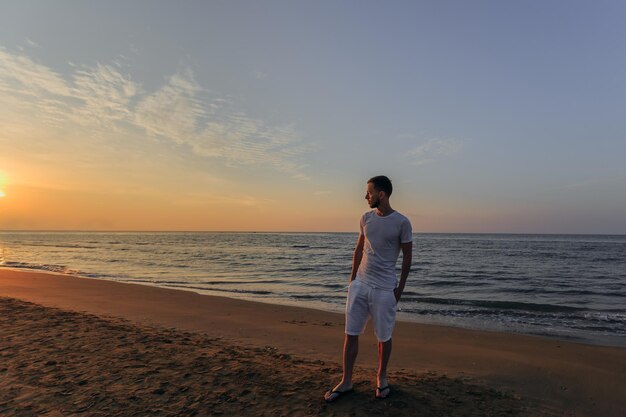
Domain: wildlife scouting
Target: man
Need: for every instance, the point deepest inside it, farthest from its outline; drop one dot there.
(374, 290)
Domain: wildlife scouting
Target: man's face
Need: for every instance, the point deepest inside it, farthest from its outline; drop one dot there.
(372, 195)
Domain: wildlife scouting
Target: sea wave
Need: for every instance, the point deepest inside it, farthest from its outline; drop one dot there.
(494, 304)
(213, 289)
(62, 269)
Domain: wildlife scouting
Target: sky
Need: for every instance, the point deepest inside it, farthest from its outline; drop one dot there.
(488, 116)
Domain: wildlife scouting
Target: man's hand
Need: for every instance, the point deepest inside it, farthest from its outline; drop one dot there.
(356, 258)
(398, 293)
(407, 256)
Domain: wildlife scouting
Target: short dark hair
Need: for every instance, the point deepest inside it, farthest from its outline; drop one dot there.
(382, 183)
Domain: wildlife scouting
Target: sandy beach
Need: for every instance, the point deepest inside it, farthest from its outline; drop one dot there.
(75, 346)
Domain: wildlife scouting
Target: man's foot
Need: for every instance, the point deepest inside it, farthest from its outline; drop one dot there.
(337, 392)
(383, 392)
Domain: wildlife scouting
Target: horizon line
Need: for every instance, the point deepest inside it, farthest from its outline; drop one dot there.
(292, 231)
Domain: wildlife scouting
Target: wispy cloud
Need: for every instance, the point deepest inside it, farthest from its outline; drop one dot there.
(101, 99)
(22, 76)
(173, 111)
(32, 43)
(104, 96)
(434, 149)
(259, 75)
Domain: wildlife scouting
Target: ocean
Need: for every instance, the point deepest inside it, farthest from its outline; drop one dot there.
(570, 287)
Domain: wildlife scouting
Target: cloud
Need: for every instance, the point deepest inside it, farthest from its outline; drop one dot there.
(102, 99)
(239, 139)
(259, 75)
(214, 128)
(173, 111)
(434, 149)
(22, 76)
(105, 96)
(32, 43)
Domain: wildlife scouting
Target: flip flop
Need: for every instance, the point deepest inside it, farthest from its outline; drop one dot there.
(379, 392)
(337, 394)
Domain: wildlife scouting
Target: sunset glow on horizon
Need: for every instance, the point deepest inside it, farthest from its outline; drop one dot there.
(487, 117)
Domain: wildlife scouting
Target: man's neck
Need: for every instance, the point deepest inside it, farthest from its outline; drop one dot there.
(384, 210)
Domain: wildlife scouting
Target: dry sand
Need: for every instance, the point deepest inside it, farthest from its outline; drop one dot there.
(90, 347)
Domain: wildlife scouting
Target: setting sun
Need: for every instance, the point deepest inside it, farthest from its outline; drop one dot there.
(2, 194)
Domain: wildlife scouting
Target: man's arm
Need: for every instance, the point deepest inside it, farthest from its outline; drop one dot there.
(407, 258)
(358, 255)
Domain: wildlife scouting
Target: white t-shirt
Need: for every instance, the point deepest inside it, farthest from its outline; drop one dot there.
(383, 236)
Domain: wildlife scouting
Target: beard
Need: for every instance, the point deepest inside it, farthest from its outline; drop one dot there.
(374, 204)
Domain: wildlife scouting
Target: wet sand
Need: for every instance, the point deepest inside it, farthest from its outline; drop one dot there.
(81, 346)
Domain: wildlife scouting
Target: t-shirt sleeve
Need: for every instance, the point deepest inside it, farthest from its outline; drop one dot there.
(406, 232)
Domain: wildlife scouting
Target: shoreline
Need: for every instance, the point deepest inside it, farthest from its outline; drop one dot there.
(604, 340)
(573, 377)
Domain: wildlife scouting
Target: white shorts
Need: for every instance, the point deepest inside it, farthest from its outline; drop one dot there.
(365, 301)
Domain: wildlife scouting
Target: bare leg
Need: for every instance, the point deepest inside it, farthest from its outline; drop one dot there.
(350, 352)
(384, 352)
